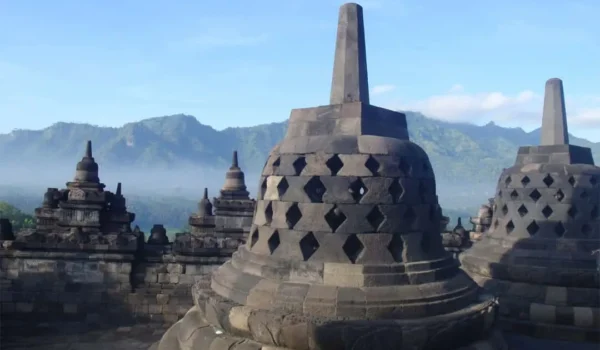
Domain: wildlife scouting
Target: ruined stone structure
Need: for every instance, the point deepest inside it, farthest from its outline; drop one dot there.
(233, 207)
(457, 240)
(483, 220)
(228, 225)
(537, 255)
(83, 213)
(345, 250)
(84, 261)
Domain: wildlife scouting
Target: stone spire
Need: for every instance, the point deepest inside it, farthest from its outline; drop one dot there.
(344, 251)
(350, 81)
(118, 193)
(234, 162)
(205, 207)
(549, 199)
(235, 185)
(554, 120)
(87, 168)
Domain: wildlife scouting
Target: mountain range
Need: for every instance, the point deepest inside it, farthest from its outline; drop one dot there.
(460, 153)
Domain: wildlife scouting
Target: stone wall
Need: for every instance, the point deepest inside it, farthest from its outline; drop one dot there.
(91, 285)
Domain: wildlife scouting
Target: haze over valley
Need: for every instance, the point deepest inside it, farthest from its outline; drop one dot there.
(164, 163)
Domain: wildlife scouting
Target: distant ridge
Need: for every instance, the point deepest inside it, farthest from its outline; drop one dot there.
(459, 152)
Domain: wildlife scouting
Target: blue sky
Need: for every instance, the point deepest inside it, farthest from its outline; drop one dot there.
(241, 63)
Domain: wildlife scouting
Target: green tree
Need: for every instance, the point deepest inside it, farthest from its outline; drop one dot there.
(18, 219)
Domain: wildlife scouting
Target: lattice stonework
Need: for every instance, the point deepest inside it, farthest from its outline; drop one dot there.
(547, 205)
(319, 203)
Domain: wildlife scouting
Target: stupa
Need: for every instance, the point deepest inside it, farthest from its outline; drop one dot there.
(345, 249)
(537, 255)
(84, 212)
(233, 207)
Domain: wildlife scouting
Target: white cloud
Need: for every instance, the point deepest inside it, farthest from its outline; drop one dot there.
(523, 109)
(456, 88)
(382, 89)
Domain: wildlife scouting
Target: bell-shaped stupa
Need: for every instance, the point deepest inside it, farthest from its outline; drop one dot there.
(345, 250)
(538, 253)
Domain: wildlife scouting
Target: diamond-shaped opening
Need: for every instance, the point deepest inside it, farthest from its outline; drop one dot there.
(263, 188)
(269, 213)
(583, 194)
(308, 245)
(253, 238)
(496, 224)
(373, 165)
(559, 229)
(315, 189)
(504, 210)
(334, 164)
(404, 166)
(535, 195)
(510, 227)
(273, 242)
(586, 229)
(522, 210)
(508, 180)
(594, 213)
(548, 180)
(514, 195)
(396, 190)
(293, 215)
(571, 180)
(559, 195)
(593, 181)
(357, 189)
(573, 211)
(282, 186)
(547, 211)
(335, 218)
(277, 162)
(299, 165)
(353, 247)
(500, 193)
(410, 216)
(422, 191)
(533, 228)
(375, 217)
(525, 181)
(396, 247)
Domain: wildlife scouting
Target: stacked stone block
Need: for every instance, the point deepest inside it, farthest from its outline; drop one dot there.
(99, 285)
(538, 253)
(75, 285)
(345, 249)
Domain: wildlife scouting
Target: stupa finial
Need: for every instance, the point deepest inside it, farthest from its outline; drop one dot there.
(350, 79)
(234, 162)
(88, 149)
(554, 120)
(118, 189)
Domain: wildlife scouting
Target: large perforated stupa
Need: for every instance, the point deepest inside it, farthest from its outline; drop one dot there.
(537, 255)
(345, 250)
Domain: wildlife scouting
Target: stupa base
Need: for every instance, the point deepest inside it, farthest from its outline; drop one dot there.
(216, 323)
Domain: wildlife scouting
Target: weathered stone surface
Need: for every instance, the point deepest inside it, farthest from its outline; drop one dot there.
(345, 249)
(554, 119)
(537, 254)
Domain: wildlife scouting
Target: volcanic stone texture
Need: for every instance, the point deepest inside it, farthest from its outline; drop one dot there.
(537, 255)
